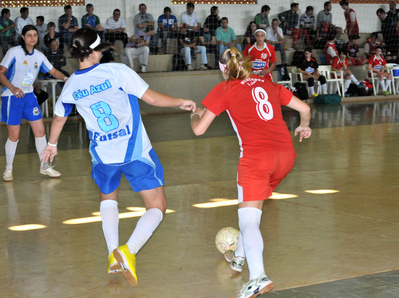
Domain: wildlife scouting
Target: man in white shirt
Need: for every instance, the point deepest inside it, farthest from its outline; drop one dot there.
(22, 21)
(115, 28)
(190, 18)
(275, 37)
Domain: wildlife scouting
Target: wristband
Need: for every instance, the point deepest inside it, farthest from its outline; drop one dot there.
(191, 116)
(52, 145)
(66, 78)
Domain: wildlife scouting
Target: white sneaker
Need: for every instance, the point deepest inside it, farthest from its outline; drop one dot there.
(256, 287)
(236, 263)
(50, 172)
(203, 67)
(143, 68)
(189, 67)
(7, 176)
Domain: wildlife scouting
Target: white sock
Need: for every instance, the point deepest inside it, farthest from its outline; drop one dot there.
(347, 84)
(239, 252)
(110, 218)
(382, 84)
(324, 88)
(41, 144)
(11, 148)
(249, 220)
(146, 225)
(387, 83)
(311, 90)
(354, 80)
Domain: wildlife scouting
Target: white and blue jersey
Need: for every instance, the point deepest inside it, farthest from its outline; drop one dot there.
(23, 69)
(106, 96)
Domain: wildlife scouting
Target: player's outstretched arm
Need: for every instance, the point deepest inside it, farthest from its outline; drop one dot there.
(201, 119)
(303, 129)
(162, 100)
(51, 150)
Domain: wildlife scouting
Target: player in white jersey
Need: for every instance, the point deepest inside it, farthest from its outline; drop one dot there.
(106, 96)
(18, 71)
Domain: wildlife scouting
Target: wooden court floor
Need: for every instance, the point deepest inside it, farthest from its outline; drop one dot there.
(331, 230)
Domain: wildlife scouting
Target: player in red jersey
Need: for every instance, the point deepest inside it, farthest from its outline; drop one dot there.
(379, 66)
(352, 27)
(330, 50)
(262, 55)
(371, 45)
(253, 104)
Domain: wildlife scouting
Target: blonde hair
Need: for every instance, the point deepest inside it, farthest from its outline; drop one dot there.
(237, 66)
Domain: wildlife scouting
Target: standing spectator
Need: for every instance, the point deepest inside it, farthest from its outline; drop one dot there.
(352, 28)
(115, 28)
(142, 19)
(387, 29)
(42, 30)
(207, 38)
(52, 34)
(67, 25)
(308, 25)
(138, 47)
(188, 47)
(275, 37)
(262, 56)
(379, 67)
(324, 22)
(22, 21)
(371, 45)
(213, 20)
(392, 13)
(249, 36)
(226, 37)
(330, 50)
(167, 26)
(353, 52)
(7, 30)
(190, 18)
(262, 18)
(289, 22)
(92, 21)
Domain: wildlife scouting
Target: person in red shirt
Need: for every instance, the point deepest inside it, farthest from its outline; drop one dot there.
(379, 66)
(261, 55)
(352, 27)
(267, 153)
(330, 50)
(341, 63)
(371, 45)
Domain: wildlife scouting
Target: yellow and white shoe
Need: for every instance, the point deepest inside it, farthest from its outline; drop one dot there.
(113, 265)
(127, 261)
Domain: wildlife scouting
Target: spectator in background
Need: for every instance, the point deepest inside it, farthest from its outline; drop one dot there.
(213, 20)
(388, 30)
(226, 37)
(289, 22)
(392, 13)
(249, 36)
(7, 30)
(190, 18)
(352, 48)
(207, 38)
(42, 31)
(330, 49)
(379, 67)
(142, 19)
(324, 23)
(67, 25)
(167, 26)
(352, 27)
(188, 47)
(138, 47)
(90, 20)
(22, 21)
(308, 25)
(115, 28)
(262, 18)
(275, 37)
(371, 45)
(52, 34)
(56, 57)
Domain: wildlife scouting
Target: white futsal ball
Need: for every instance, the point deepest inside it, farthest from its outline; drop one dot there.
(226, 239)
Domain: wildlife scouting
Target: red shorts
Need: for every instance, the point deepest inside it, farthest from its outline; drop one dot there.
(258, 176)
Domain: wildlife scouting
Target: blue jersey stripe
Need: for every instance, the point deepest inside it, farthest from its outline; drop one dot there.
(135, 142)
(93, 144)
(10, 72)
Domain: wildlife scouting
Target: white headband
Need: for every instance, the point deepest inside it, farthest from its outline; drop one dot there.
(96, 43)
(260, 30)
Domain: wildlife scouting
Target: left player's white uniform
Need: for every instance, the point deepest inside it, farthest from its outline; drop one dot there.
(106, 97)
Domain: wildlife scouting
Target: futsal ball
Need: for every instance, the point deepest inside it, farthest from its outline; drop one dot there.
(226, 239)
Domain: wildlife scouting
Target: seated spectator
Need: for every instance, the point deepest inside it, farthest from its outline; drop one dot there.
(352, 27)
(52, 34)
(307, 25)
(341, 63)
(42, 31)
(67, 25)
(56, 57)
(353, 52)
(370, 45)
(138, 47)
(188, 47)
(275, 37)
(7, 30)
(22, 21)
(207, 38)
(213, 20)
(249, 36)
(167, 26)
(262, 56)
(289, 22)
(330, 50)
(115, 28)
(226, 37)
(325, 27)
(379, 67)
(190, 18)
(90, 20)
(262, 18)
(142, 19)
(309, 69)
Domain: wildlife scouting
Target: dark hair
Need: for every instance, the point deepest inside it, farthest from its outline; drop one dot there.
(117, 10)
(23, 9)
(214, 9)
(149, 28)
(67, 7)
(374, 34)
(22, 41)
(50, 24)
(167, 8)
(343, 2)
(265, 8)
(40, 18)
(343, 51)
(380, 10)
(190, 4)
(89, 5)
(308, 49)
(326, 4)
(142, 4)
(250, 25)
(354, 37)
(224, 19)
(309, 8)
(378, 47)
(294, 5)
(81, 41)
(4, 11)
(275, 19)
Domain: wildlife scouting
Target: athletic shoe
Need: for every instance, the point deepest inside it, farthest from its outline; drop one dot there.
(7, 176)
(361, 85)
(50, 172)
(113, 265)
(203, 67)
(127, 262)
(386, 92)
(256, 287)
(347, 94)
(236, 263)
(143, 69)
(189, 67)
(315, 94)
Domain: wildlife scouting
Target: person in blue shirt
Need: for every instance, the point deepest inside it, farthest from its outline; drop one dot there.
(167, 26)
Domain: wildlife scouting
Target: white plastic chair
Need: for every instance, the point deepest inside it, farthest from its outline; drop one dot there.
(299, 78)
(395, 78)
(375, 80)
(289, 82)
(338, 79)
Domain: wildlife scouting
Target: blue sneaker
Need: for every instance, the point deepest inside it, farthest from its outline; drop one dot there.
(361, 85)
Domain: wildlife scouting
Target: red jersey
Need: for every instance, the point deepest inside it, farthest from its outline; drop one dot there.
(377, 63)
(261, 58)
(355, 29)
(372, 46)
(328, 49)
(254, 108)
(337, 63)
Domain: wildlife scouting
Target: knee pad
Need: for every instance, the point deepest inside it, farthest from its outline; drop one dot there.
(311, 82)
(322, 80)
